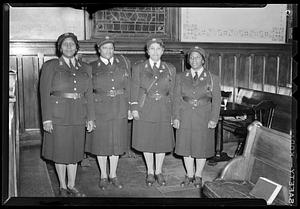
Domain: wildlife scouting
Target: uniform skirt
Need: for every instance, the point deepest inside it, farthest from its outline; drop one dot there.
(155, 137)
(109, 138)
(194, 138)
(65, 144)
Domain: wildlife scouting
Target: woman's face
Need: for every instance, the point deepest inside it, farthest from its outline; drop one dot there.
(68, 47)
(107, 50)
(155, 51)
(196, 60)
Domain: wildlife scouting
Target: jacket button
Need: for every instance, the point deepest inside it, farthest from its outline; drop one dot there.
(56, 102)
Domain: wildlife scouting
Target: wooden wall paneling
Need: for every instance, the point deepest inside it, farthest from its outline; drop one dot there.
(284, 72)
(213, 64)
(257, 71)
(30, 86)
(243, 73)
(227, 74)
(277, 73)
(271, 69)
(264, 72)
(250, 69)
(20, 93)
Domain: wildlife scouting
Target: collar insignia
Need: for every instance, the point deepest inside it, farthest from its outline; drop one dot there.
(60, 62)
(117, 60)
(201, 78)
(146, 65)
(99, 64)
(204, 74)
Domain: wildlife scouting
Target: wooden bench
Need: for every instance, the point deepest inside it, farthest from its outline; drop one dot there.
(282, 119)
(267, 154)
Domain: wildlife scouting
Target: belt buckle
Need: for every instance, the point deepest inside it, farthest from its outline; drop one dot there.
(157, 96)
(76, 96)
(112, 93)
(195, 102)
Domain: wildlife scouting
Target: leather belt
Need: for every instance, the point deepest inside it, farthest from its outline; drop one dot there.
(67, 95)
(109, 93)
(157, 96)
(195, 102)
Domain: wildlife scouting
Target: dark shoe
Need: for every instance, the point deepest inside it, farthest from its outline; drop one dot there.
(198, 182)
(150, 179)
(115, 181)
(187, 180)
(75, 192)
(63, 192)
(103, 183)
(160, 179)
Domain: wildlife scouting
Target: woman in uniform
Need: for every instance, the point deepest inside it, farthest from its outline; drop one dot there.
(111, 87)
(67, 107)
(197, 107)
(152, 93)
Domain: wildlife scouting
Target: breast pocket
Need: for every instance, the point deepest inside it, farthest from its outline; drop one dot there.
(59, 108)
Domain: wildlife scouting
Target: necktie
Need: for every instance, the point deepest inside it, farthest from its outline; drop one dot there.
(155, 66)
(109, 63)
(196, 76)
(70, 63)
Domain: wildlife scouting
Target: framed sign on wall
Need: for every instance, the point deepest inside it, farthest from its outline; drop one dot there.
(237, 25)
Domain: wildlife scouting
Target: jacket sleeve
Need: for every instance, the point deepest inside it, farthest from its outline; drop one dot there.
(47, 73)
(172, 86)
(177, 98)
(89, 95)
(135, 87)
(216, 98)
(128, 80)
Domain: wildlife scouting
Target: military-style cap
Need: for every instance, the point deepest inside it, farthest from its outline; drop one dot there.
(199, 50)
(155, 40)
(62, 37)
(106, 40)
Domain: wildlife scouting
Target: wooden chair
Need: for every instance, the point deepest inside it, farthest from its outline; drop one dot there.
(264, 112)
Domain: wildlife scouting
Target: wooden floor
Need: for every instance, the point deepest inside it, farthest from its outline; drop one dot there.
(38, 177)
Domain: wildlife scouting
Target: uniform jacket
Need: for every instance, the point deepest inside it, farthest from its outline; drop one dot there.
(205, 88)
(142, 77)
(114, 77)
(56, 75)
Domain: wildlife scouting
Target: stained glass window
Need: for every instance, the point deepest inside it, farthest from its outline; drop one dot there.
(132, 20)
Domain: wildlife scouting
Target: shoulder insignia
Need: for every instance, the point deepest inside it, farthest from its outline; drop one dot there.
(187, 74)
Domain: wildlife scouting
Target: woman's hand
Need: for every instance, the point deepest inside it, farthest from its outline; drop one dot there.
(130, 117)
(135, 114)
(176, 123)
(48, 126)
(90, 125)
(212, 124)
